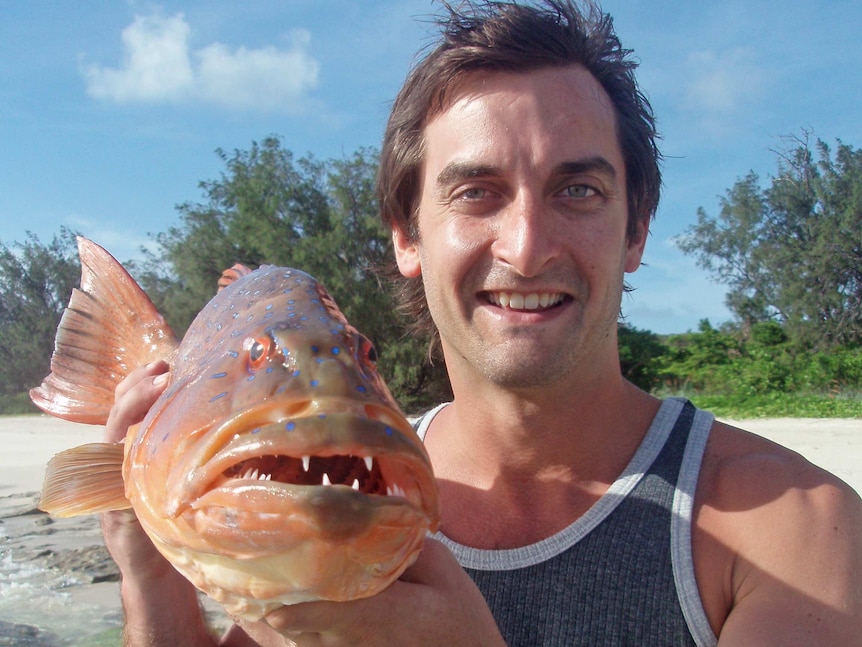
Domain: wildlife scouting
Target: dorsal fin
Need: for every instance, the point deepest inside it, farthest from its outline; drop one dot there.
(233, 274)
(109, 328)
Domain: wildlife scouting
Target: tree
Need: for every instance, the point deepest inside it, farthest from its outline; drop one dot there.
(320, 217)
(791, 252)
(35, 283)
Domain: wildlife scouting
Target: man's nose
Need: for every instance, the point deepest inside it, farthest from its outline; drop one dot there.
(525, 236)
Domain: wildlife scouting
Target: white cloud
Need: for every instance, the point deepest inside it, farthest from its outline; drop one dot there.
(722, 83)
(159, 66)
(268, 78)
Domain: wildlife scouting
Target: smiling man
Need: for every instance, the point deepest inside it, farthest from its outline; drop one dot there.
(519, 175)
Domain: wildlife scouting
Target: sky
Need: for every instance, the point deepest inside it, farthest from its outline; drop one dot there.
(111, 112)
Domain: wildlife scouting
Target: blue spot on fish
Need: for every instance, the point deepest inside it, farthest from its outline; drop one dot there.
(218, 397)
(218, 375)
(388, 431)
(315, 349)
(290, 426)
(251, 378)
(335, 350)
(314, 382)
(233, 353)
(254, 431)
(361, 389)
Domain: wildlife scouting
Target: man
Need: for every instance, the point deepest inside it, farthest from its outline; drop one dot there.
(519, 175)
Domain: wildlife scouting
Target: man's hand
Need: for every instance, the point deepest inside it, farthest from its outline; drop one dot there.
(161, 606)
(433, 603)
(129, 546)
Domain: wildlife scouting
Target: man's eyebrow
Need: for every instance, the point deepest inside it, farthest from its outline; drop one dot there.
(596, 164)
(457, 171)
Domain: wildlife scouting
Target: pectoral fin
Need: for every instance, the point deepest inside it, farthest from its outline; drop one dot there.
(85, 480)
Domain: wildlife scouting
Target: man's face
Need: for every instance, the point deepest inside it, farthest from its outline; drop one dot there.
(522, 219)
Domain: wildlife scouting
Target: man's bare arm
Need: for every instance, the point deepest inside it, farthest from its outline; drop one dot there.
(783, 539)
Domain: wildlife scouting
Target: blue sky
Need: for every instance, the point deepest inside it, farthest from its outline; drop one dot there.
(110, 112)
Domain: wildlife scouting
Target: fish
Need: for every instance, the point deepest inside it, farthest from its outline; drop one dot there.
(275, 468)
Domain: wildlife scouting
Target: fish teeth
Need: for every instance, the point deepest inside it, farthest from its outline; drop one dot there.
(326, 480)
(369, 462)
(306, 462)
(355, 485)
(395, 490)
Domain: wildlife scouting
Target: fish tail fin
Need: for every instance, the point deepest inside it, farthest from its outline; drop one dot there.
(85, 480)
(109, 328)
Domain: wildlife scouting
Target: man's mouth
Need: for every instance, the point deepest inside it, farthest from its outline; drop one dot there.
(525, 300)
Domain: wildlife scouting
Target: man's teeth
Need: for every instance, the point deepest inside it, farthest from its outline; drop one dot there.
(519, 301)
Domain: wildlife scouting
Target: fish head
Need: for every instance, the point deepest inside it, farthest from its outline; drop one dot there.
(276, 467)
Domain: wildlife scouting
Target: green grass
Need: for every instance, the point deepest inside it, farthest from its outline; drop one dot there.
(780, 405)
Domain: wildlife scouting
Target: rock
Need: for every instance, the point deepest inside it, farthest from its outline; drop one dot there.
(26, 636)
(92, 564)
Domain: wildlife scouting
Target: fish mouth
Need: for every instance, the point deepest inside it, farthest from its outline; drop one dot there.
(334, 474)
(361, 474)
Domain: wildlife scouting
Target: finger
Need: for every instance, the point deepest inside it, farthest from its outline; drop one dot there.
(147, 370)
(434, 564)
(133, 398)
(308, 621)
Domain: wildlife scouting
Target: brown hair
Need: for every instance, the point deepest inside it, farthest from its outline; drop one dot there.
(510, 37)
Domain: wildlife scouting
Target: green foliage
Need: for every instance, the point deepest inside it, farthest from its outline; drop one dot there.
(792, 252)
(761, 372)
(35, 283)
(639, 351)
(320, 217)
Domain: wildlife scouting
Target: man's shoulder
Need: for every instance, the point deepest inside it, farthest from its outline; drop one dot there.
(742, 469)
(774, 534)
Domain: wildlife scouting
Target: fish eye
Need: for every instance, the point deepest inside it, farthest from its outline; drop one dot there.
(258, 350)
(369, 352)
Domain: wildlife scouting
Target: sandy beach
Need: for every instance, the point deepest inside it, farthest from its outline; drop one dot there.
(58, 586)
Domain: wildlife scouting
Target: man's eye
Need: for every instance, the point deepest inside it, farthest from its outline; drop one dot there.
(580, 191)
(473, 194)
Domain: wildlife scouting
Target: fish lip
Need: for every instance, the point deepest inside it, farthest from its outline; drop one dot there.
(387, 438)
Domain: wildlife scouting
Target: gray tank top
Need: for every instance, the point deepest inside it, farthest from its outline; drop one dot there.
(622, 574)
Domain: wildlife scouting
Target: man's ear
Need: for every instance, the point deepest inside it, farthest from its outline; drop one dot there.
(636, 244)
(406, 254)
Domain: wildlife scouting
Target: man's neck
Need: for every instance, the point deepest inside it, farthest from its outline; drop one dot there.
(514, 469)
